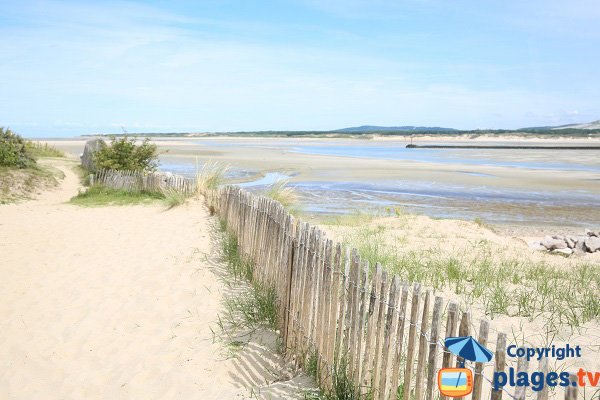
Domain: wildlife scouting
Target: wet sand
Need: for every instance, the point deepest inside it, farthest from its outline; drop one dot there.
(538, 215)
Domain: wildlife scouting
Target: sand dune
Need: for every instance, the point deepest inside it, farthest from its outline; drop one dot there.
(118, 303)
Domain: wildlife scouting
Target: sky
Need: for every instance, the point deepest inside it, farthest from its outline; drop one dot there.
(81, 67)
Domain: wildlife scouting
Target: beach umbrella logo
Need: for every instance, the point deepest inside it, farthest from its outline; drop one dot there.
(458, 382)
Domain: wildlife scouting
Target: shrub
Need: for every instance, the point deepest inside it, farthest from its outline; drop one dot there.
(13, 151)
(124, 155)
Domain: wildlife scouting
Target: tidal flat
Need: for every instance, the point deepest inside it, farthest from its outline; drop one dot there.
(523, 191)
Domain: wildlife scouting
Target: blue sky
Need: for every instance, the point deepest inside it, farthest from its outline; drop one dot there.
(71, 68)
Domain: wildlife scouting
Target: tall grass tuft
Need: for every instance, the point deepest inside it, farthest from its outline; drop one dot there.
(281, 192)
(209, 177)
(173, 197)
(252, 308)
(239, 267)
(38, 149)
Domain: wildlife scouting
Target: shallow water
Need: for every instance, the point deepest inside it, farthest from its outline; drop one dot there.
(565, 160)
(484, 199)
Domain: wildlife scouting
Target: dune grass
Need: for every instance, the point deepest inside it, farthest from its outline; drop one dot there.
(99, 196)
(256, 306)
(282, 192)
(173, 197)
(504, 286)
(209, 177)
(17, 184)
(38, 149)
(342, 385)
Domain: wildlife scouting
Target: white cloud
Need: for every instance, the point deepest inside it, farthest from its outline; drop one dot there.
(91, 65)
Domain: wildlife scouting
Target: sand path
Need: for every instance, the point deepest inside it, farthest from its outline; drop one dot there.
(116, 303)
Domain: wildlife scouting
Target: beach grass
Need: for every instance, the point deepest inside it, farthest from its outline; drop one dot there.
(174, 197)
(99, 196)
(18, 184)
(255, 306)
(353, 219)
(38, 150)
(210, 177)
(281, 191)
(343, 387)
(503, 286)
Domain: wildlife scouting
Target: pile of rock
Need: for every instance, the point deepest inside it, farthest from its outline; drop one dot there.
(589, 243)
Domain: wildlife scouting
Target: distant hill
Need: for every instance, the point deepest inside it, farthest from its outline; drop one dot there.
(372, 128)
(589, 125)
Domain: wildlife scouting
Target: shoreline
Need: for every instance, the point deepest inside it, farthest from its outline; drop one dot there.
(252, 158)
(500, 147)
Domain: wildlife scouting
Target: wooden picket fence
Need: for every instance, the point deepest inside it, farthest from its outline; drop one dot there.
(365, 327)
(139, 181)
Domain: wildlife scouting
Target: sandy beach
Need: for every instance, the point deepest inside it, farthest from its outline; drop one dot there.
(120, 303)
(133, 301)
(540, 177)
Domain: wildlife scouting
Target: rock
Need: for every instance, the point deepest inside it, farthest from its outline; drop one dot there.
(536, 246)
(591, 233)
(567, 252)
(87, 158)
(592, 244)
(551, 243)
(570, 242)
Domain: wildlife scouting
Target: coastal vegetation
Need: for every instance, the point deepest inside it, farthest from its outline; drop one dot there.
(20, 174)
(254, 307)
(485, 277)
(13, 150)
(17, 184)
(209, 177)
(123, 154)
(38, 149)
(98, 196)
(281, 191)
(541, 132)
(250, 307)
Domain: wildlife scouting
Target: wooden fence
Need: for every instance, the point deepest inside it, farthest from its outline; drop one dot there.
(133, 181)
(361, 324)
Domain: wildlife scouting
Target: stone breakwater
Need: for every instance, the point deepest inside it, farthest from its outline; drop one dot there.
(588, 243)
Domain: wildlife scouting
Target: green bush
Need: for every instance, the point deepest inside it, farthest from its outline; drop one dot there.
(13, 151)
(124, 155)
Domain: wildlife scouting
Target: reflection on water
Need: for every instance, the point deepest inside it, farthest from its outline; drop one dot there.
(452, 201)
(437, 199)
(189, 170)
(516, 158)
(269, 179)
